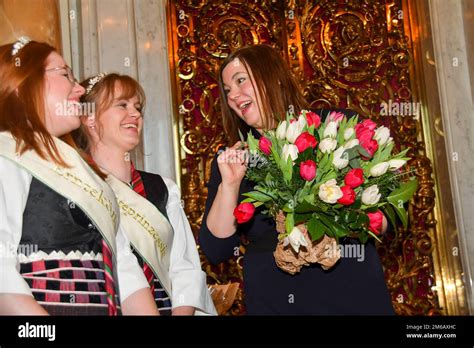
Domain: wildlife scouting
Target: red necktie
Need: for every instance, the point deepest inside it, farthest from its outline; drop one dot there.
(138, 187)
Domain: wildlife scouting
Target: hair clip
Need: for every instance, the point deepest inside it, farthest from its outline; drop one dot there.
(19, 44)
(93, 81)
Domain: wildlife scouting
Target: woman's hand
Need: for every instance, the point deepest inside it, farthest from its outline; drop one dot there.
(233, 165)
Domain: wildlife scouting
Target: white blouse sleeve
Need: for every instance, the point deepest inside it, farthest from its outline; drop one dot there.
(14, 188)
(188, 281)
(130, 275)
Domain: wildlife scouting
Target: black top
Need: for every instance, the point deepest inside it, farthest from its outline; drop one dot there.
(354, 286)
(53, 223)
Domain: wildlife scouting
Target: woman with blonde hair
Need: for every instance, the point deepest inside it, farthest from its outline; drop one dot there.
(150, 205)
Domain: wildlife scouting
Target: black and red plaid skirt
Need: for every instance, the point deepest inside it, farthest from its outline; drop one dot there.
(67, 287)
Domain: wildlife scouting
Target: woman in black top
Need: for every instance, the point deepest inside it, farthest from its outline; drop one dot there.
(256, 91)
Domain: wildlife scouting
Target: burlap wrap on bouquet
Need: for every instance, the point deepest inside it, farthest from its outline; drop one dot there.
(324, 251)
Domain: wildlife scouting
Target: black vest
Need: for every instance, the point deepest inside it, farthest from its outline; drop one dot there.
(156, 190)
(53, 223)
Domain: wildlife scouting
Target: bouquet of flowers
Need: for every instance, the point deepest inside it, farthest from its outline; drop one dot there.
(324, 181)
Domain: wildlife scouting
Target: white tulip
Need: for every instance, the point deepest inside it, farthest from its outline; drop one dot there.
(302, 121)
(382, 134)
(331, 130)
(351, 143)
(281, 131)
(348, 133)
(379, 169)
(290, 150)
(341, 159)
(329, 192)
(327, 145)
(293, 131)
(297, 239)
(396, 163)
(371, 195)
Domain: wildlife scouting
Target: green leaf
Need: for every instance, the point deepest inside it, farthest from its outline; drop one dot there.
(354, 163)
(258, 196)
(357, 204)
(404, 193)
(316, 229)
(305, 207)
(252, 142)
(287, 169)
(341, 130)
(375, 236)
(363, 237)
(388, 210)
(387, 151)
(337, 229)
(301, 218)
(284, 195)
(402, 214)
(275, 154)
(289, 222)
(352, 153)
(362, 151)
(305, 155)
(287, 208)
(361, 221)
(349, 216)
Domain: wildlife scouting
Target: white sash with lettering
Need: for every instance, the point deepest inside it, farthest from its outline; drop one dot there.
(79, 183)
(148, 230)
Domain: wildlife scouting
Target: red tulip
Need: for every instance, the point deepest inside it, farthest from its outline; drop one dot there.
(265, 145)
(365, 125)
(305, 140)
(375, 221)
(364, 135)
(348, 197)
(370, 147)
(308, 170)
(369, 124)
(354, 178)
(244, 212)
(313, 119)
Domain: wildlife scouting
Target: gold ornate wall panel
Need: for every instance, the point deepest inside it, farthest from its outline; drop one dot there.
(346, 54)
(37, 19)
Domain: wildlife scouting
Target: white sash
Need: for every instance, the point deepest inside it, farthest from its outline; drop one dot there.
(79, 183)
(148, 230)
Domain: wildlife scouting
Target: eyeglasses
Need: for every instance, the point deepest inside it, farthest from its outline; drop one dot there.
(70, 74)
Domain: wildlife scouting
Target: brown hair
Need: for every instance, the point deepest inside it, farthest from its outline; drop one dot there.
(272, 79)
(102, 96)
(22, 107)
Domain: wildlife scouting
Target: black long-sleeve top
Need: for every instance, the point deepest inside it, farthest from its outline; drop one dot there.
(354, 286)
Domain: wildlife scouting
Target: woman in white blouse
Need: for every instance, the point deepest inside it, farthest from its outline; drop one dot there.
(61, 248)
(150, 206)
